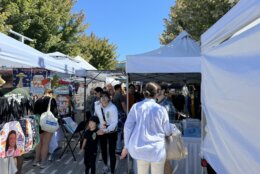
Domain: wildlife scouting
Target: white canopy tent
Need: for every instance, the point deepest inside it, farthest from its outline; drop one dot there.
(178, 61)
(74, 64)
(84, 64)
(238, 17)
(182, 55)
(15, 54)
(231, 90)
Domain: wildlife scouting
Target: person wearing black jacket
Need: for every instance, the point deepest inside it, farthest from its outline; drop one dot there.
(90, 145)
(42, 148)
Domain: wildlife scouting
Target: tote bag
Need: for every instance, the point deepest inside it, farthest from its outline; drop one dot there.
(48, 122)
(175, 148)
(12, 140)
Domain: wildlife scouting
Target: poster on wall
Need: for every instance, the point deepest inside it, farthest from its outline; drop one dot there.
(79, 97)
(63, 103)
(40, 81)
(22, 77)
(7, 77)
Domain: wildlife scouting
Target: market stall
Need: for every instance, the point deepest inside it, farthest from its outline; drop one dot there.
(15, 54)
(176, 62)
(22, 67)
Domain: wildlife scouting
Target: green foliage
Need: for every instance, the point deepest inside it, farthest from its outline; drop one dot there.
(103, 55)
(49, 22)
(54, 27)
(194, 16)
(3, 18)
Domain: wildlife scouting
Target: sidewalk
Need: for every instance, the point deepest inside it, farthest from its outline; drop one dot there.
(66, 165)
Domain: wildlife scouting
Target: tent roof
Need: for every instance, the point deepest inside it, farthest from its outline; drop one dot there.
(84, 63)
(77, 63)
(15, 54)
(242, 14)
(182, 55)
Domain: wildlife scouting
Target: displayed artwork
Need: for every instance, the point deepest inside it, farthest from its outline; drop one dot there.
(79, 97)
(22, 77)
(7, 77)
(62, 90)
(40, 81)
(63, 103)
(12, 140)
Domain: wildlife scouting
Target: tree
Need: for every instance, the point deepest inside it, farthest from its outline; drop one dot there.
(103, 55)
(49, 22)
(3, 18)
(54, 28)
(193, 16)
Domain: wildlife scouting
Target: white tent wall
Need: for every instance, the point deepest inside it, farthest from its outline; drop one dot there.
(231, 93)
(14, 53)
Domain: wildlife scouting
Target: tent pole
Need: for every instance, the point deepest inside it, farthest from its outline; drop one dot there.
(85, 97)
(127, 108)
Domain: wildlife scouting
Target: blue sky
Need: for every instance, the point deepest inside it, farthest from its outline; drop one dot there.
(134, 25)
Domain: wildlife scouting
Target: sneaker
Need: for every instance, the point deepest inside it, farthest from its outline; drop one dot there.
(36, 163)
(105, 169)
(43, 165)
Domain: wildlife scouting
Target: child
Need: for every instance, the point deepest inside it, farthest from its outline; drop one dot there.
(90, 145)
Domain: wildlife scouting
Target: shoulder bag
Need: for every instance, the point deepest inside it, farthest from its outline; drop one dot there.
(48, 122)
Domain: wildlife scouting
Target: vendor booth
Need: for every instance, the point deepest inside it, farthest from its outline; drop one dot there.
(15, 54)
(25, 70)
(231, 90)
(178, 62)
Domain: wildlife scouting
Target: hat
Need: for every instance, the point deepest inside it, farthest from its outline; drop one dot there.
(94, 119)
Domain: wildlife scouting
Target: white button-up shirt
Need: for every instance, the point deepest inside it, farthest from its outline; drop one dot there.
(145, 129)
(111, 116)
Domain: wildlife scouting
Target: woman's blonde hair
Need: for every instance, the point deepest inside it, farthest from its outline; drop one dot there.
(151, 89)
(48, 91)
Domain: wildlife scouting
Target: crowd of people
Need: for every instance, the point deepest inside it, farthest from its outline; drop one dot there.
(140, 132)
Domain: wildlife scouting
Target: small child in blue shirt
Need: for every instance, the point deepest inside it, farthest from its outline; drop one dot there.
(90, 145)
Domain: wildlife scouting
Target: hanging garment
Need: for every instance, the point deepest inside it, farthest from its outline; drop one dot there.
(28, 133)
(35, 123)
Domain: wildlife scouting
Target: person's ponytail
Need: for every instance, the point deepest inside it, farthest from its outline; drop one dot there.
(150, 90)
